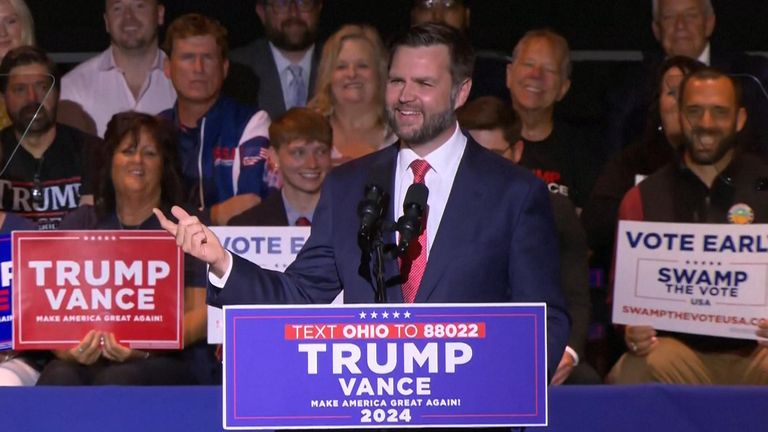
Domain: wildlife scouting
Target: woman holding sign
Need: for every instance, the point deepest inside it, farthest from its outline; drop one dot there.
(143, 174)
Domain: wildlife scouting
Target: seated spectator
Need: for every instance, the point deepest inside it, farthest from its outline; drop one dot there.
(495, 126)
(128, 75)
(142, 173)
(45, 166)
(488, 76)
(301, 148)
(222, 143)
(18, 29)
(538, 78)
(350, 92)
(703, 185)
(283, 61)
(685, 27)
(657, 148)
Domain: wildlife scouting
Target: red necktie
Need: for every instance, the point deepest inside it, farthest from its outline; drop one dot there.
(415, 262)
(302, 221)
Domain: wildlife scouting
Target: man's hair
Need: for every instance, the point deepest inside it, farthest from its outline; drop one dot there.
(25, 18)
(193, 24)
(300, 123)
(462, 56)
(710, 73)
(131, 124)
(706, 5)
(27, 55)
(556, 39)
(488, 113)
(323, 99)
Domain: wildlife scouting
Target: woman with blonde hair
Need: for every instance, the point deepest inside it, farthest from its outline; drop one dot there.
(350, 91)
(16, 29)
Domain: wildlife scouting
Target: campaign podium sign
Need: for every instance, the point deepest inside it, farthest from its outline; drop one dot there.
(706, 279)
(385, 366)
(6, 311)
(66, 283)
(272, 248)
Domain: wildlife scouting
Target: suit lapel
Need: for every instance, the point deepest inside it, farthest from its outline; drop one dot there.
(455, 228)
(270, 85)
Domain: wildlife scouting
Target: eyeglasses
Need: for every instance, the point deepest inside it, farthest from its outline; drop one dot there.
(282, 6)
(432, 4)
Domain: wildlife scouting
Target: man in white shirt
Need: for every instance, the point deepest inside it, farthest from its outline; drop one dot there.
(285, 59)
(126, 76)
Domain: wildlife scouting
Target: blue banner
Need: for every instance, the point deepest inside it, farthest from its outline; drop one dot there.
(366, 366)
(6, 275)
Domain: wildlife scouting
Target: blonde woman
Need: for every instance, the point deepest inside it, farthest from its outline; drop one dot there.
(16, 29)
(351, 79)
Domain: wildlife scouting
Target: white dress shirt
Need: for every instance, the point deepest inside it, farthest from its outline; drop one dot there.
(443, 162)
(99, 87)
(282, 64)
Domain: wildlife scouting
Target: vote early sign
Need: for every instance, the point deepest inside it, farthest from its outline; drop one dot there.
(385, 366)
(66, 283)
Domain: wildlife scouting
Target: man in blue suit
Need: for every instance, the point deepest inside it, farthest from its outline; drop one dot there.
(489, 233)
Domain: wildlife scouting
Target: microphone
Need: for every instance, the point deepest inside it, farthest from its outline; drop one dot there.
(409, 224)
(370, 211)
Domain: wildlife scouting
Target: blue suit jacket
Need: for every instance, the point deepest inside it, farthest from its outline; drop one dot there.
(496, 243)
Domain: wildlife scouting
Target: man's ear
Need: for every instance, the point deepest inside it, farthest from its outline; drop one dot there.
(656, 30)
(710, 25)
(463, 93)
(160, 14)
(741, 119)
(564, 87)
(260, 11)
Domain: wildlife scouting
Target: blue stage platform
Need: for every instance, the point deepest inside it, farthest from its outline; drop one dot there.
(648, 408)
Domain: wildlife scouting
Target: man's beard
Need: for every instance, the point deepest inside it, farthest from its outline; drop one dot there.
(137, 41)
(432, 126)
(26, 117)
(726, 143)
(280, 38)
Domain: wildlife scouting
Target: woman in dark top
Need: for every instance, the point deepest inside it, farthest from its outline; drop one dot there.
(140, 172)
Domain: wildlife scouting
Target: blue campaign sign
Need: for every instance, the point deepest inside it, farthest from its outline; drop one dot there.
(374, 366)
(6, 274)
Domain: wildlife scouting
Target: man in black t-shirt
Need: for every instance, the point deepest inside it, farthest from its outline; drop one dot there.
(45, 165)
(537, 78)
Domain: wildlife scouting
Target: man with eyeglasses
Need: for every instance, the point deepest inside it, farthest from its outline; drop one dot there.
(285, 59)
(710, 182)
(45, 166)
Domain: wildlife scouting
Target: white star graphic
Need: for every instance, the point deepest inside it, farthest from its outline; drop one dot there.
(407, 314)
(385, 314)
(362, 315)
(374, 315)
(396, 314)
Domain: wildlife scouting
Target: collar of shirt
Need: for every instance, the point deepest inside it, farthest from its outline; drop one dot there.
(108, 60)
(282, 64)
(705, 56)
(444, 163)
(292, 214)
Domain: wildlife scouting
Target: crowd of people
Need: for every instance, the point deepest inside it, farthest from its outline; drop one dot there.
(288, 129)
